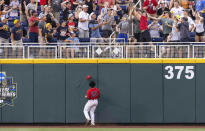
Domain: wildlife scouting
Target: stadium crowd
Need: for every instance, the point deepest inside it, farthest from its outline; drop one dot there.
(75, 21)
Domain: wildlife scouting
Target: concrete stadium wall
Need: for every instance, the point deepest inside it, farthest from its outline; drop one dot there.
(133, 91)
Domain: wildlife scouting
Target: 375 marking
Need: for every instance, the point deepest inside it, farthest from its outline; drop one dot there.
(189, 72)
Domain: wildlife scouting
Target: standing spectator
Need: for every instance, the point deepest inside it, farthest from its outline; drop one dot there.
(66, 9)
(154, 29)
(50, 17)
(6, 12)
(71, 24)
(62, 32)
(16, 38)
(190, 21)
(184, 30)
(167, 23)
(109, 22)
(74, 41)
(145, 35)
(110, 3)
(42, 28)
(4, 31)
(49, 34)
(123, 28)
(184, 3)
(32, 5)
(136, 24)
(22, 10)
(56, 6)
(199, 37)
(33, 27)
(94, 26)
(150, 6)
(83, 23)
(200, 5)
(4, 34)
(15, 5)
(177, 10)
(90, 6)
(162, 8)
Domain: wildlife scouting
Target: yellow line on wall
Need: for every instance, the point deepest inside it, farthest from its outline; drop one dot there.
(100, 61)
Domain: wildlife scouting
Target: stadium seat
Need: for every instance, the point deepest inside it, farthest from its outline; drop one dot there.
(84, 39)
(124, 7)
(192, 34)
(160, 39)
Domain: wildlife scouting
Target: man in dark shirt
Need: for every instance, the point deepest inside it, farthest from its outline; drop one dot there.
(4, 34)
(62, 32)
(162, 9)
(16, 38)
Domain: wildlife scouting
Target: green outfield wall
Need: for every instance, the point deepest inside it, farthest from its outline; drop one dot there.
(132, 90)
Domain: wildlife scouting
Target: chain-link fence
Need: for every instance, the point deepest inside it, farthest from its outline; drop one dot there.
(102, 51)
(42, 52)
(174, 51)
(141, 51)
(74, 51)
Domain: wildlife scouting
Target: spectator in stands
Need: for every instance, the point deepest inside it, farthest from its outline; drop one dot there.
(49, 34)
(200, 5)
(184, 30)
(50, 17)
(177, 9)
(94, 26)
(6, 11)
(90, 5)
(199, 37)
(4, 34)
(150, 6)
(15, 6)
(74, 41)
(42, 28)
(4, 31)
(83, 23)
(110, 3)
(162, 8)
(56, 6)
(167, 23)
(136, 23)
(123, 28)
(16, 38)
(154, 29)
(71, 24)
(184, 3)
(104, 10)
(32, 5)
(22, 10)
(109, 22)
(190, 21)
(173, 37)
(62, 32)
(66, 9)
(33, 27)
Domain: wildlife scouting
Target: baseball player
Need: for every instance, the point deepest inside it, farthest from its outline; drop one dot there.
(92, 95)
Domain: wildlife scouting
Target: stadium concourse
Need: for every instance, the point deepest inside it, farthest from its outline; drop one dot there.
(121, 22)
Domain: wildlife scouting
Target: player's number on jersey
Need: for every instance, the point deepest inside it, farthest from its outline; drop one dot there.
(189, 72)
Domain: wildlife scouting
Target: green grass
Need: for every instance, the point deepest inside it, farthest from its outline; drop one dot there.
(102, 129)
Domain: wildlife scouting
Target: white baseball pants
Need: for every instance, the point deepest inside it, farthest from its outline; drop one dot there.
(90, 106)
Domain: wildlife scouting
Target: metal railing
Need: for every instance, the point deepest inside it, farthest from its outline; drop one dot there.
(103, 50)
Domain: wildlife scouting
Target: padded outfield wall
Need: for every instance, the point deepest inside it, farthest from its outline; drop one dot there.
(133, 90)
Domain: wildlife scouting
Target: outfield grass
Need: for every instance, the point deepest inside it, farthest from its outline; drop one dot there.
(102, 129)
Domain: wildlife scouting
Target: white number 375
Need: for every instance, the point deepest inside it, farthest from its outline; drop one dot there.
(189, 73)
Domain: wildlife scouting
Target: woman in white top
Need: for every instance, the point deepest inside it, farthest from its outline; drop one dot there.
(199, 28)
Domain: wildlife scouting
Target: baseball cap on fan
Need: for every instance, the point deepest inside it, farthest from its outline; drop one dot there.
(85, 6)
